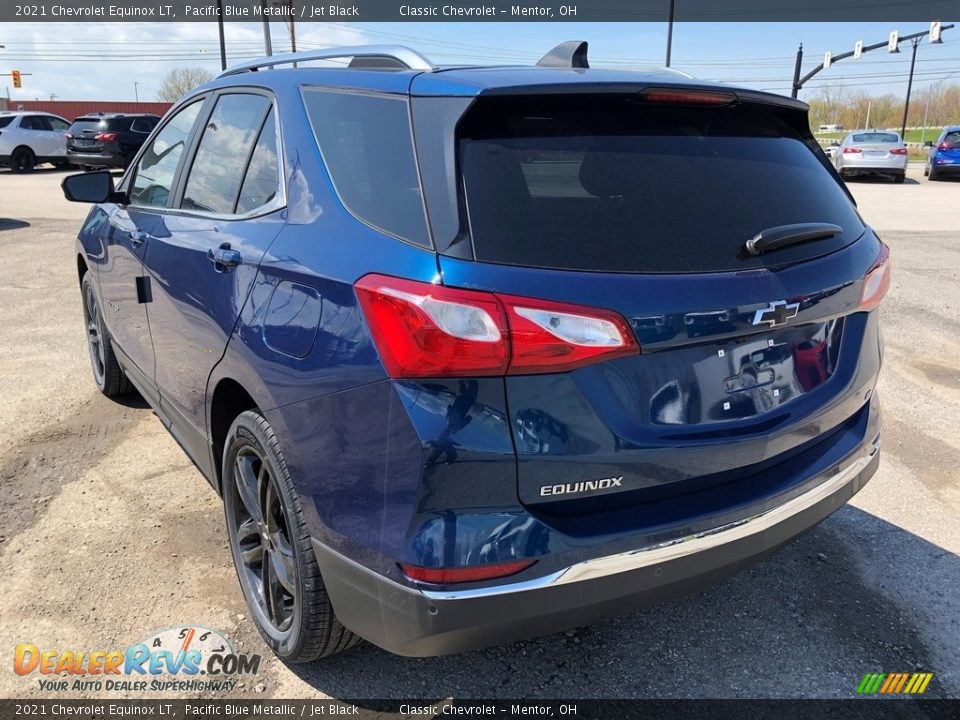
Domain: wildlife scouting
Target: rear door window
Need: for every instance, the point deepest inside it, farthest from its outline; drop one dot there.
(224, 152)
(261, 182)
(606, 183)
(4, 121)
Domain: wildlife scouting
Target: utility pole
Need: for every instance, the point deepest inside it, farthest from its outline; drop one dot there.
(796, 71)
(267, 44)
(223, 44)
(906, 104)
(670, 32)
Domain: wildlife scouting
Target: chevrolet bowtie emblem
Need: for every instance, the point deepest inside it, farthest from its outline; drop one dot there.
(777, 313)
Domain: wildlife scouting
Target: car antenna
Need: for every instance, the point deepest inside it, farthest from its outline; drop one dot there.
(570, 54)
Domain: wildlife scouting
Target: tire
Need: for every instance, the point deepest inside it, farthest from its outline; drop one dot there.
(899, 179)
(926, 171)
(107, 373)
(265, 522)
(22, 160)
(933, 176)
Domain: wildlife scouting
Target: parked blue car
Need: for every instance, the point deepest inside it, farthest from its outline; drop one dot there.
(476, 354)
(943, 158)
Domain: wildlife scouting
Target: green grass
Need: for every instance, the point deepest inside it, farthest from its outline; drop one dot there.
(912, 136)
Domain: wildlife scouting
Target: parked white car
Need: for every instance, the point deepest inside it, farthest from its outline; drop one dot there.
(29, 138)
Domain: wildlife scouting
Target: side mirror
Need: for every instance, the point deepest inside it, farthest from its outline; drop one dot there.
(91, 187)
(928, 143)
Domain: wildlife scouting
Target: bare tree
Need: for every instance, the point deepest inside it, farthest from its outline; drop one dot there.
(179, 81)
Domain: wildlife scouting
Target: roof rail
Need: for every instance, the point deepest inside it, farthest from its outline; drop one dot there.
(403, 56)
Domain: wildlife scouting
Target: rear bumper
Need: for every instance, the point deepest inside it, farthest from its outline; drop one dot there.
(423, 622)
(106, 159)
(870, 166)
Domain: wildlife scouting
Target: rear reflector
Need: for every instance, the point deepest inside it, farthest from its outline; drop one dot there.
(426, 330)
(851, 150)
(444, 576)
(877, 281)
(687, 97)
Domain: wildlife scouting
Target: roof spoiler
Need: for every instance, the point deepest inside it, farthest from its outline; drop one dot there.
(570, 54)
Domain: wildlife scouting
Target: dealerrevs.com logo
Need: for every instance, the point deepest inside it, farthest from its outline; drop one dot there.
(182, 659)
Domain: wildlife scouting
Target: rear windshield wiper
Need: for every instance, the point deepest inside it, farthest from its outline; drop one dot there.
(786, 235)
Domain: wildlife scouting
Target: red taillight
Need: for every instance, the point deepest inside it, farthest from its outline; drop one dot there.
(444, 576)
(105, 137)
(851, 150)
(68, 136)
(946, 146)
(877, 281)
(426, 330)
(899, 151)
(687, 97)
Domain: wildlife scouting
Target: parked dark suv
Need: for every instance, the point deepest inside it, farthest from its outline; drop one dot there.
(108, 140)
(474, 354)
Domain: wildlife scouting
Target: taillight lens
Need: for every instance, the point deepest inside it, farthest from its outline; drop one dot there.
(899, 151)
(946, 146)
(426, 330)
(556, 337)
(68, 136)
(851, 150)
(444, 576)
(105, 137)
(687, 97)
(877, 281)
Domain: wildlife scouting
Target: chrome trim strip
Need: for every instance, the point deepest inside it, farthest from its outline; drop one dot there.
(411, 58)
(678, 548)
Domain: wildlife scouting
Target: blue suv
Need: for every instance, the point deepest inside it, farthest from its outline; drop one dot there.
(475, 354)
(943, 157)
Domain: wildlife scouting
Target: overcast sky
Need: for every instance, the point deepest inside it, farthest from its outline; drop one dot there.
(103, 61)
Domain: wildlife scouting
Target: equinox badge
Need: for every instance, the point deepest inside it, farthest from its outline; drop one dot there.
(580, 487)
(777, 313)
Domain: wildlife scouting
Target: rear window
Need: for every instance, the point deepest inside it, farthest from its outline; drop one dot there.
(610, 184)
(81, 124)
(367, 147)
(876, 138)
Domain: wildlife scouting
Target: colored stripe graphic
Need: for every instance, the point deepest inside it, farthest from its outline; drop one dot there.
(894, 683)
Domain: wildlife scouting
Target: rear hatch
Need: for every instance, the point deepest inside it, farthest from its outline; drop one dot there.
(642, 203)
(949, 147)
(85, 135)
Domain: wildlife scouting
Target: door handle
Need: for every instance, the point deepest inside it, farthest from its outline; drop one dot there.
(138, 237)
(224, 258)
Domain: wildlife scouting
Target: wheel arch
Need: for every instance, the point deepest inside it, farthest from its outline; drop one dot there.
(228, 399)
(82, 268)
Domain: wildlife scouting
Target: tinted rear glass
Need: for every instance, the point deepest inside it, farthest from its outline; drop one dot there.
(81, 124)
(609, 184)
(4, 121)
(876, 138)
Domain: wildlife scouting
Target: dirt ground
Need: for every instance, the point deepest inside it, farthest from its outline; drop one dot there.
(107, 532)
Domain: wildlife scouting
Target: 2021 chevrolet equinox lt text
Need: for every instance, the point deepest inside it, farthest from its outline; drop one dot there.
(474, 354)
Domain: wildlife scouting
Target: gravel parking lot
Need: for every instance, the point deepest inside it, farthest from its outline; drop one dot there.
(108, 532)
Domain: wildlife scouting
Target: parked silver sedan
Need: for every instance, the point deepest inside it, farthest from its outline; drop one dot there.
(872, 152)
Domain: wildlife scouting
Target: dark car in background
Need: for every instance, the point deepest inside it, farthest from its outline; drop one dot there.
(943, 158)
(108, 140)
(475, 354)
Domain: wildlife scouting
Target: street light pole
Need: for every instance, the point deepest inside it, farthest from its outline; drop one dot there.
(223, 45)
(670, 32)
(906, 104)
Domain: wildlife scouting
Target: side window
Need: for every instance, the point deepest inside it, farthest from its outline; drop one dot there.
(367, 147)
(158, 165)
(58, 125)
(260, 184)
(141, 125)
(33, 122)
(224, 150)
